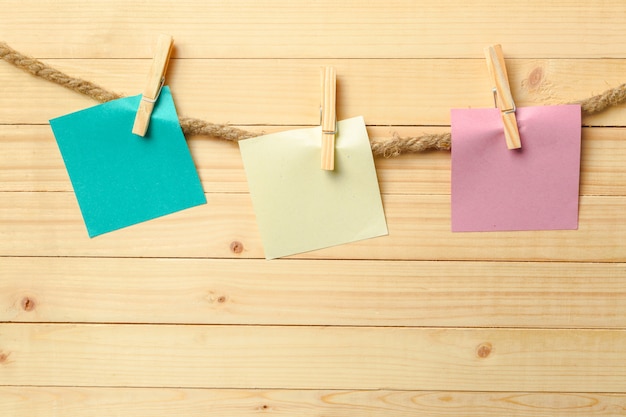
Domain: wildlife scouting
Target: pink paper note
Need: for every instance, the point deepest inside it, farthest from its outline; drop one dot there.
(532, 188)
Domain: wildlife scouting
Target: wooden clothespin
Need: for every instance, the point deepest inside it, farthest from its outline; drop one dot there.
(503, 96)
(328, 117)
(156, 79)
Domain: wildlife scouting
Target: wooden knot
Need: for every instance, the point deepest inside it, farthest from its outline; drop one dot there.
(28, 304)
(484, 350)
(236, 247)
(216, 297)
(534, 78)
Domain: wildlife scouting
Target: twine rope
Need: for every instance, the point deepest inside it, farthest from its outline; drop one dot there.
(388, 147)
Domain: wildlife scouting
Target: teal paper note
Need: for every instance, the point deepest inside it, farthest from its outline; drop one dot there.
(299, 206)
(119, 178)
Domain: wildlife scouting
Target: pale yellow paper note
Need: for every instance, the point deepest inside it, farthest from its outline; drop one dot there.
(300, 207)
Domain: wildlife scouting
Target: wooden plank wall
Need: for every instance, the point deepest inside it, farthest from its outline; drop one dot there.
(165, 318)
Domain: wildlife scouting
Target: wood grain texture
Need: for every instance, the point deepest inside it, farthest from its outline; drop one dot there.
(164, 402)
(324, 293)
(329, 28)
(305, 357)
(49, 224)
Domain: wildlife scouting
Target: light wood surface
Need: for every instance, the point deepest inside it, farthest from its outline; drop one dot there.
(390, 293)
(314, 357)
(182, 316)
(162, 402)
